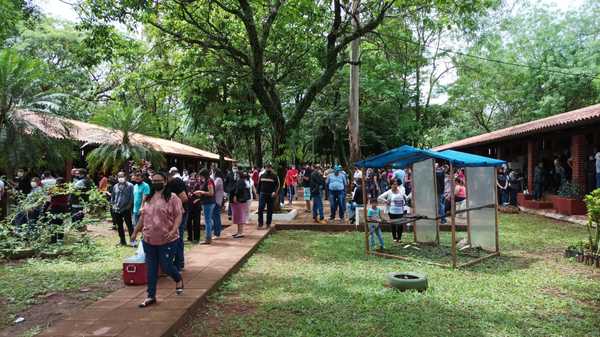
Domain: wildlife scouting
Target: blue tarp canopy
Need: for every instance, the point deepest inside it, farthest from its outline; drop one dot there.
(405, 155)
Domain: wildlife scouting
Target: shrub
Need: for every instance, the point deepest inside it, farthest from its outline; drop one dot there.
(592, 201)
(570, 190)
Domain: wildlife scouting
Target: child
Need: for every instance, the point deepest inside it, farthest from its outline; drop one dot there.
(374, 220)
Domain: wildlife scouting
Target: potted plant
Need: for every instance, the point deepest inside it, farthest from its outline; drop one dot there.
(569, 200)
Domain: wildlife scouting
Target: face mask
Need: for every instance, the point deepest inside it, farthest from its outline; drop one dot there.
(158, 186)
(34, 185)
(121, 180)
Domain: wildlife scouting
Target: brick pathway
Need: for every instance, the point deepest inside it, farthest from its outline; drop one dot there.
(118, 314)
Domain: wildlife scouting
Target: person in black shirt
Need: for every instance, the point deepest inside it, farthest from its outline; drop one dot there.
(268, 189)
(306, 185)
(176, 185)
(23, 182)
(317, 184)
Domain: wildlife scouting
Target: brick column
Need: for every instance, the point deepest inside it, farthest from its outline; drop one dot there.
(532, 160)
(578, 151)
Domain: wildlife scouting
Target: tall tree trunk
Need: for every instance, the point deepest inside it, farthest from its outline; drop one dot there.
(258, 153)
(353, 117)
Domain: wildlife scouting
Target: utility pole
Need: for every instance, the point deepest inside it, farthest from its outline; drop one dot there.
(353, 119)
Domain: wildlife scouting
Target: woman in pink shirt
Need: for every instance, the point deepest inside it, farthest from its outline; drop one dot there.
(159, 222)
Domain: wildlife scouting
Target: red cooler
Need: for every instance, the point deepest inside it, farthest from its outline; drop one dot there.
(134, 271)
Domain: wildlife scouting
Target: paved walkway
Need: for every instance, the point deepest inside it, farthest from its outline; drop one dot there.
(118, 314)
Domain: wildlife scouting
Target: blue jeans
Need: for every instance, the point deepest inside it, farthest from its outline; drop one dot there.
(217, 226)
(442, 208)
(352, 209)
(208, 219)
(265, 200)
(160, 255)
(336, 200)
(317, 206)
(375, 229)
(291, 193)
(597, 180)
(179, 258)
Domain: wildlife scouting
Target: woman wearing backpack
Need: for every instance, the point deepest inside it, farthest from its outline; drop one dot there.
(240, 199)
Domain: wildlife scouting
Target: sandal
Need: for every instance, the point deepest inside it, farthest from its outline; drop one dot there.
(179, 290)
(147, 302)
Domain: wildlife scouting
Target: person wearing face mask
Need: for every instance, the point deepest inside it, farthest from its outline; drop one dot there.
(140, 191)
(268, 189)
(159, 222)
(121, 202)
(36, 185)
(22, 182)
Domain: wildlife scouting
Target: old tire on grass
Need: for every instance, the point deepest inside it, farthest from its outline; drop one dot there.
(407, 281)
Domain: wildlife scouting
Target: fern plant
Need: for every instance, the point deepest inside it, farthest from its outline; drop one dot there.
(113, 156)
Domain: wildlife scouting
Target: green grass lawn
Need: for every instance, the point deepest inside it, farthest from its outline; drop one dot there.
(26, 283)
(314, 284)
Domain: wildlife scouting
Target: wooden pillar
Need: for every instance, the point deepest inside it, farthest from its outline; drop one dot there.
(68, 168)
(453, 216)
(532, 160)
(578, 156)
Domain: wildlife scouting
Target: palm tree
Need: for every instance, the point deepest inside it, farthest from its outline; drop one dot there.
(22, 87)
(113, 156)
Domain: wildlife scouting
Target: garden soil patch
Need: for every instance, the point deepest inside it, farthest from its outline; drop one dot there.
(52, 307)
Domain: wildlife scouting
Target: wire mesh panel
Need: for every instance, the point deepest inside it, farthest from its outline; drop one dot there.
(424, 200)
(481, 191)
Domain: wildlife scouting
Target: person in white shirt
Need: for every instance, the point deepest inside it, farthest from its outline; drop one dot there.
(48, 180)
(395, 199)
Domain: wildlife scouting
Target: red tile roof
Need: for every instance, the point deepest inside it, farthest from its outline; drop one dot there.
(565, 120)
(64, 128)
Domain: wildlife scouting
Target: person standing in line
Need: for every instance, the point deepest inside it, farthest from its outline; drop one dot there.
(255, 174)
(268, 189)
(48, 180)
(538, 181)
(159, 222)
(395, 200)
(195, 209)
(141, 190)
(336, 184)
(207, 197)
(229, 184)
(306, 186)
(176, 186)
(291, 179)
(502, 185)
(514, 186)
(240, 199)
(121, 201)
(219, 199)
(317, 184)
(357, 201)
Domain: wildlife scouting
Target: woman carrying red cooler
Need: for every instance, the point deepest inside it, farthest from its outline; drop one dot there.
(159, 223)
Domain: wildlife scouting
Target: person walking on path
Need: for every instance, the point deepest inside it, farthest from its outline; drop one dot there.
(159, 222)
(268, 189)
(240, 199)
(395, 200)
(317, 184)
(207, 197)
(291, 180)
(306, 176)
(140, 191)
(336, 184)
(195, 209)
(176, 185)
(121, 202)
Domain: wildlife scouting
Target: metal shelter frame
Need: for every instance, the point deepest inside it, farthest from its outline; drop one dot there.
(405, 156)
